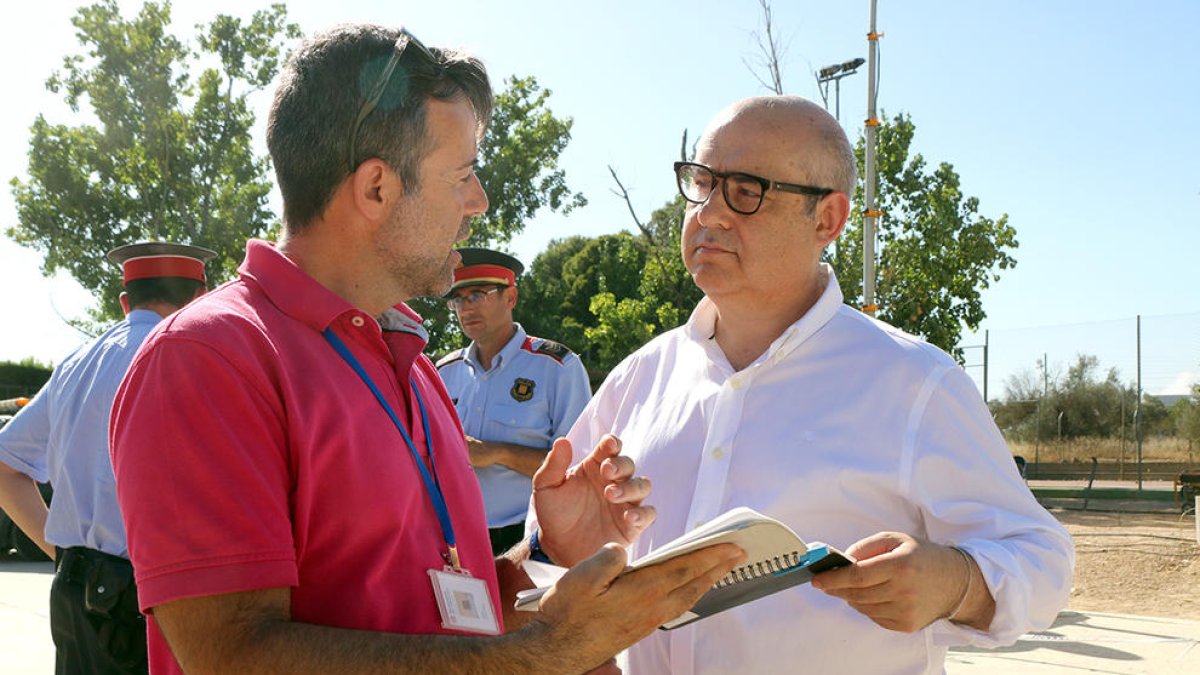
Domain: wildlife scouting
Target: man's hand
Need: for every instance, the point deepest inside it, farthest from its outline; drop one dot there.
(905, 584)
(581, 508)
(600, 611)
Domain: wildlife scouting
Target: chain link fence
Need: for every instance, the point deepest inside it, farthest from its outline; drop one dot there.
(1064, 394)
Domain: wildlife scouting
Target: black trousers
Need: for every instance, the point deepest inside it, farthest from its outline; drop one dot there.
(94, 616)
(504, 538)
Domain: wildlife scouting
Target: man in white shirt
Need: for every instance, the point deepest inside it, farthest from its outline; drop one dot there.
(777, 396)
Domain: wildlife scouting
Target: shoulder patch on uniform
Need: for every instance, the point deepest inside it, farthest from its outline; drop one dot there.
(456, 355)
(555, 350)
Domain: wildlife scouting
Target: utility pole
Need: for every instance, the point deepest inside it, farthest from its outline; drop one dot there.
(870, 214)
(1137, 410)
(985, 366)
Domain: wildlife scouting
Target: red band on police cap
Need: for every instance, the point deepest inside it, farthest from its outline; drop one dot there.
(151, 266)
(485, 274)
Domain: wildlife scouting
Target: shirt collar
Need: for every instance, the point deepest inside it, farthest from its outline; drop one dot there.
(701, 326)
(298, 295)
(506, 352)
(147, 317)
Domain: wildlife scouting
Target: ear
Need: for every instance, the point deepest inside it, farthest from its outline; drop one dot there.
(199, 292)
(832, 212)
(124, 302)
(510, 298)
(372, 186)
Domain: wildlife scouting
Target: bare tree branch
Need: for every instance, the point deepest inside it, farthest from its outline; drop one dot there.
(771, 51)
(624, 194)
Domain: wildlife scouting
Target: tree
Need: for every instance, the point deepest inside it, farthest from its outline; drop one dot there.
(937, 252)
(23, 378)
(1186, 414)
(168, 155)
(518, 167)
(519, 162)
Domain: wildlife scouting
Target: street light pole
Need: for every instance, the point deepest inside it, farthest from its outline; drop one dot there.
(834, 74)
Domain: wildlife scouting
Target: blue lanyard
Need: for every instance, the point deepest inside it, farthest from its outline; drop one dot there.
(432, 486)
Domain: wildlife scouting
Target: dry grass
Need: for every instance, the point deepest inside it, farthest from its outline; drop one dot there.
(1108, 449)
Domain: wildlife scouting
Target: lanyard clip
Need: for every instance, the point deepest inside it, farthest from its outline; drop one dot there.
(452, 558)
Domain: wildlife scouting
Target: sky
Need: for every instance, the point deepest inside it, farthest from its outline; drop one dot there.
(1073, 117)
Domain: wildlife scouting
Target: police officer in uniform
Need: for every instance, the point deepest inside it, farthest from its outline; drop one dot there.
(514, 393)
(61, 436)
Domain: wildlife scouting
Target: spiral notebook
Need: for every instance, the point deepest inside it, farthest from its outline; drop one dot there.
(777, 559)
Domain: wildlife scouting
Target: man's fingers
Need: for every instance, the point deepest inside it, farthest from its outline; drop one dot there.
(598, 571)
(711, 569)
(629, 491)
(876, 545)
(637, 519)
(608, 448)
(553, 470)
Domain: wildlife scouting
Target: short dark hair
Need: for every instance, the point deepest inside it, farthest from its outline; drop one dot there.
(322, 88)
(175, 291)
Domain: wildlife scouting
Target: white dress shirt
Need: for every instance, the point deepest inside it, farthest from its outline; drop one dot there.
(843, 428)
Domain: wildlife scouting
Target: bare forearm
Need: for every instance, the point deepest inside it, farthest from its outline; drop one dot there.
(20, 499)
(252, 632)
(512, 578)
(297, 648)
(978, 606)
(523, 459)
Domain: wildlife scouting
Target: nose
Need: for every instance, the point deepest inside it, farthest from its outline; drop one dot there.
(714, 211)
(477, 200)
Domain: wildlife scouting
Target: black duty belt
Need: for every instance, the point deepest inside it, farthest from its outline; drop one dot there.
(76, 562)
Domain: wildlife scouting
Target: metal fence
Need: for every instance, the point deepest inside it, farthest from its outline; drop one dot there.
(1158, 356)
(1162, 352)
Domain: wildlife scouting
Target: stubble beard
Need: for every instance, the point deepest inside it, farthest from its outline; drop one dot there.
(406, 268)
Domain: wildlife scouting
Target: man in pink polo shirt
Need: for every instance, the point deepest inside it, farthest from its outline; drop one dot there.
(293, 477)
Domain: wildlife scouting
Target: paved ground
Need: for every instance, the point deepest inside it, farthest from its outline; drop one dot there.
(1091, 642)
(1079, 642)
(25, 645)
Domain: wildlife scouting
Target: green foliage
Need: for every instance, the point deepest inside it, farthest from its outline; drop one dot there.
(606, 296)
(519, 172)
(22, 378)
(936, 252)
(168, 156)
(1082, 403)
(1185, 416)
(519, 162)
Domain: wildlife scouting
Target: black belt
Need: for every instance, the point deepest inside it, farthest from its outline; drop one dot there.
(75, 562)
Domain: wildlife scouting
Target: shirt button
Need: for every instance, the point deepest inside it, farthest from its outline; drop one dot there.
(736, 383)
(357, 321)
(718, 452)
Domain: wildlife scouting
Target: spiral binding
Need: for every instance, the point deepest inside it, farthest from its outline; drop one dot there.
(761, 568)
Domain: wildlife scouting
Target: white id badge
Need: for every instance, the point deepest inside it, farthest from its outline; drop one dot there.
(464, 602)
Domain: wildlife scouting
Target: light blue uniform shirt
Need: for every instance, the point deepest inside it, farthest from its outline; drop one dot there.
(531, 395)
(62, 437)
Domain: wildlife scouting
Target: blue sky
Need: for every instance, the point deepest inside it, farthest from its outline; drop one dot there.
(1073, 117)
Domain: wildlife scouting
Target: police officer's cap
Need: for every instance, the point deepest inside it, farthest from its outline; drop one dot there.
(152, 259)
(485, 267)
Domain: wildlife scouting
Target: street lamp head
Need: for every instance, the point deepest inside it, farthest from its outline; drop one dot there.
(830, 71)
(851, 66)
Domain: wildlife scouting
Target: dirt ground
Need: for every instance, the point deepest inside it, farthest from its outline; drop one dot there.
(1135, 563)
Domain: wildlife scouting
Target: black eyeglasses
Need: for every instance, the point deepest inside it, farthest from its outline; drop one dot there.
(402, 42)
(473, 298)
(743, 192)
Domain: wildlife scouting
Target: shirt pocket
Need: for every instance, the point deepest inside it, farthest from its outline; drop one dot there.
(525, 423)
